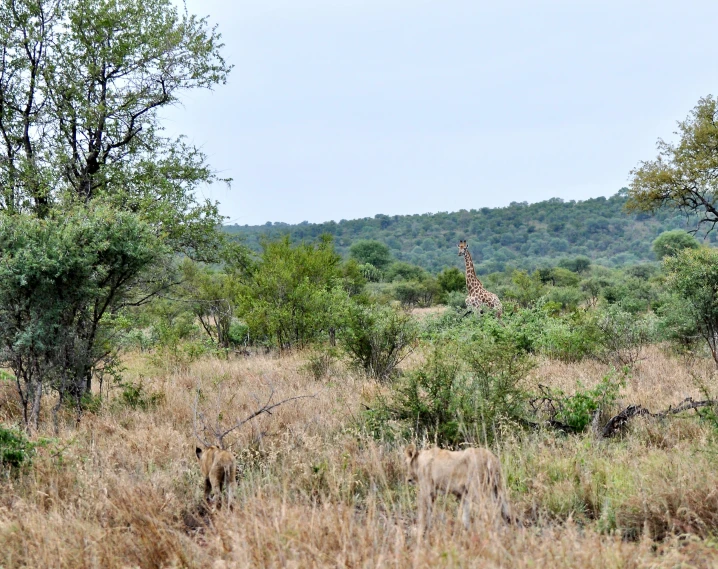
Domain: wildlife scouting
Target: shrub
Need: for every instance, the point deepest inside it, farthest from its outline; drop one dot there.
(693, 276)
(452, 280)
(135, 396)
(320, 363)
(670, 243)
(374, 253)
(463, 392)
(571, 338)
(15, 449)
(456, 299)
(377, 338)
(622, 335)
(577, 410)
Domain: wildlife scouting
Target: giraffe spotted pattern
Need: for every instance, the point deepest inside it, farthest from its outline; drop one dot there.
(478, 296)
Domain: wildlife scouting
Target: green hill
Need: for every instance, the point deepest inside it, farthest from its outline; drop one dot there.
(520, 235)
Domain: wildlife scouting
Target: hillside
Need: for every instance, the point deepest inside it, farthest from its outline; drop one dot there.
(520, 235)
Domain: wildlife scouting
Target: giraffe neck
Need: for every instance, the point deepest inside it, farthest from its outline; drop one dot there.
(471, 277)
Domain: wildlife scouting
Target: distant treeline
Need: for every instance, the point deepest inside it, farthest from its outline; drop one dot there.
(520, 235)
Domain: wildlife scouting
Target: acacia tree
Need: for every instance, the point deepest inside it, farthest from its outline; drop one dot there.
(82, 83)
(685, 174)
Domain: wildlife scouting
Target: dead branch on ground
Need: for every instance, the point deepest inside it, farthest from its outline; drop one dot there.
(616, 423)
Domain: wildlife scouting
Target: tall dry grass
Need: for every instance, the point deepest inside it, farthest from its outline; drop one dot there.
(123, 488)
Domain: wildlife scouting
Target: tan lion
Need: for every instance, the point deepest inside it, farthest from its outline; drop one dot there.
(219, 471)
(472, 475)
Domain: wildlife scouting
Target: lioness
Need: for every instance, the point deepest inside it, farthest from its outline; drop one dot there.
(219, 471)
(470, 475)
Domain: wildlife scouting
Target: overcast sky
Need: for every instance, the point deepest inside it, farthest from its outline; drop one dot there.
(338, 109)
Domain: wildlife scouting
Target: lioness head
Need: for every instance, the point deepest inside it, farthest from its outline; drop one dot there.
(411, 453)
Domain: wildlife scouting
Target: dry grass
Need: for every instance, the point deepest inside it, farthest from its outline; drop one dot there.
(123, 489)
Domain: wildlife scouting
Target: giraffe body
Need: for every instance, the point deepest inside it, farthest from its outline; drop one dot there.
(478, 296)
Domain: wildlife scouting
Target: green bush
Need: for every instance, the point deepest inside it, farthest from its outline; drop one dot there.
(238, 333)
(377, 338)
(622, 334)
(15, 449)
(321, 362)
(456, 299)
(463, 392)
(135, 396)
(577, 410)
(451, 280)
(570, 338)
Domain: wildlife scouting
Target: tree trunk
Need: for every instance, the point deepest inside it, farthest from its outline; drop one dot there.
(36, 399)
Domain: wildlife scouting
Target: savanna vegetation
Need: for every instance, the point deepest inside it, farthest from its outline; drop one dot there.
(131, 327)
(521, 235)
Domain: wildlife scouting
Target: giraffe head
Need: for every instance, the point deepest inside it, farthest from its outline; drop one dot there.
(462, 248)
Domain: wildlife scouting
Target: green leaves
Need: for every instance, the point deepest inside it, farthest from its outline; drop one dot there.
(294, 292)
(683, 176)
(693, 276)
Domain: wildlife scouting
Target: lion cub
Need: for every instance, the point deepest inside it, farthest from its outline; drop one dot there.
(219, 471)
(472, 475)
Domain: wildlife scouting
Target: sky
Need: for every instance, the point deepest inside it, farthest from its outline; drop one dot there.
(340, 109)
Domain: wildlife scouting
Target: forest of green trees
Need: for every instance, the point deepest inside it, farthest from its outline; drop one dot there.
(521, 235)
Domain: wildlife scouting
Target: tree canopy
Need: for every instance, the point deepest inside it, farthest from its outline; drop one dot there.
(672, 242)
(685, 174)
(94, 199)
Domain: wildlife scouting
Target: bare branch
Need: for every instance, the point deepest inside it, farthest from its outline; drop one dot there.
(266, 408)
(216, 429)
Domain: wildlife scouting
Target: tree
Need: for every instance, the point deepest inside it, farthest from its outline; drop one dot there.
(684, 175)
(576, 265)
(693, 276)
(292, 294)
(58, 275)
(371, 252)
(82, 83)
(672, 242)
(451, 279)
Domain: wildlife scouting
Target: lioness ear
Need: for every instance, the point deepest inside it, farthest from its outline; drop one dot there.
(410, 451)
(198, 451)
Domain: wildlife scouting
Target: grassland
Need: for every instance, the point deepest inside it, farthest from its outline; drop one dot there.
(123, 488)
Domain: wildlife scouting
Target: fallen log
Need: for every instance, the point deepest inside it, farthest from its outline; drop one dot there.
(616, 423)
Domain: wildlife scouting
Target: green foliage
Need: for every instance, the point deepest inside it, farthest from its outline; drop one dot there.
(371, 252)
(58, 278)
(377, 338)
(238, 333)
(671, 242)
(570, 338)
(563, 277)
(321, 362)
(463, 392)
(527, 288)
(16, 450)
(683, 176)
(452, 279)
(92, 193)
(576, 265)
(401, 271)
(577, 410)
(135, 396)
(519, 236)
(370, 273)
(212, 295)
(294, 293)
(677, 323)
(693, 277)
(622, 334)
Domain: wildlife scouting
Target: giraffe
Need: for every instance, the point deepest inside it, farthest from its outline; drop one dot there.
(478, 295)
